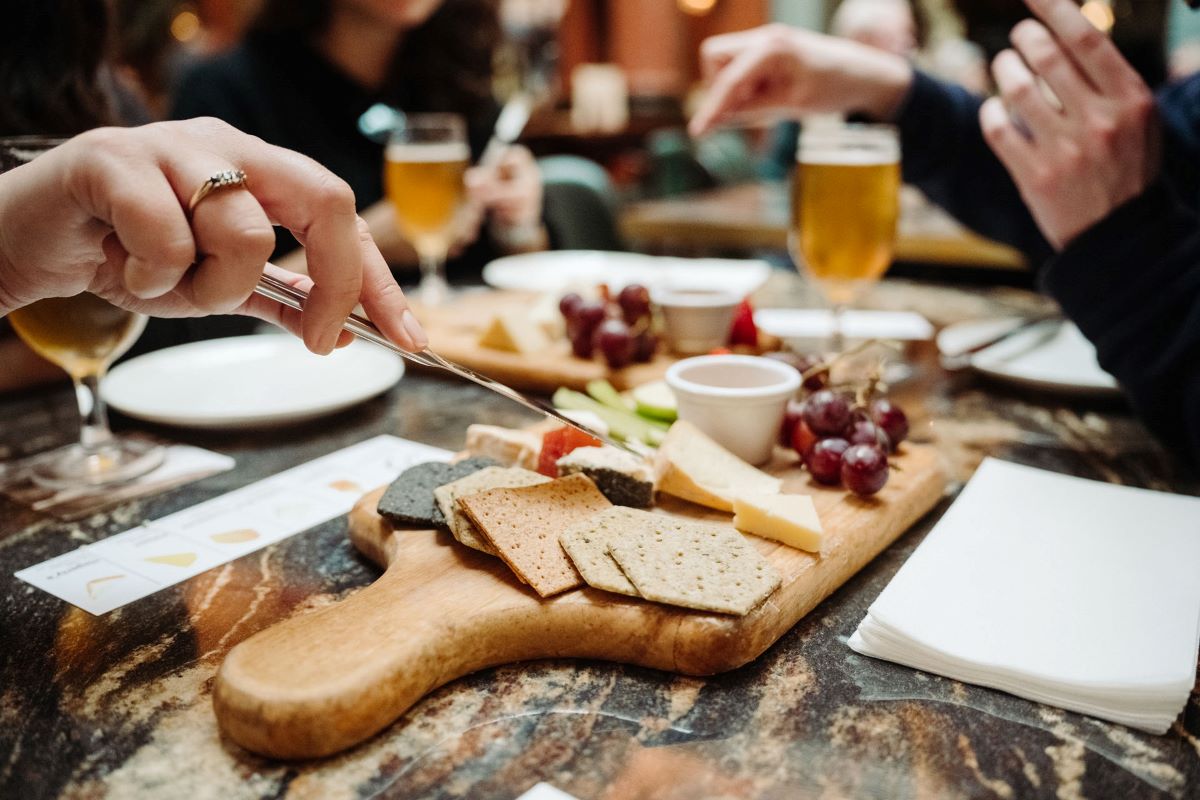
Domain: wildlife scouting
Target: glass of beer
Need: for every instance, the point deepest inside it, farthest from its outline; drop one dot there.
(845, 205)
(82, 334)
(427, 156)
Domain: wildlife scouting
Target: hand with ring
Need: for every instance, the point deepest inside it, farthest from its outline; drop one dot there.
(175, 219)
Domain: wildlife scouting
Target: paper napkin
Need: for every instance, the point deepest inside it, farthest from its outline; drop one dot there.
(1066, 591)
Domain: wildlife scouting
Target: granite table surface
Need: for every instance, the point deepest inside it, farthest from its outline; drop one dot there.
(119, 706)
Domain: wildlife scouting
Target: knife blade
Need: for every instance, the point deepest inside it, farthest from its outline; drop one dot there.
(363, 328)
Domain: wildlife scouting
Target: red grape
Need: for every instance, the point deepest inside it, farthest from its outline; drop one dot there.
(864, 431)
(813, 382)
(864, 468)
(891, 418)
(569, 304)
(827, 413)
(791, 416)
(824, 460)
(645, 345)
(634, 301)
(803, 439)
(581, 343)
(588, 315)
(614, 342)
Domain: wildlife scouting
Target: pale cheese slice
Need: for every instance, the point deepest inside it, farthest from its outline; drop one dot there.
(515, 333)
(788, 518)
(693, 467)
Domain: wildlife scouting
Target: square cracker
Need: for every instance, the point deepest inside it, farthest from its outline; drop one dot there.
(409, 499)
(524, 524)
(489, 478)
(587, 545)
(694, 565)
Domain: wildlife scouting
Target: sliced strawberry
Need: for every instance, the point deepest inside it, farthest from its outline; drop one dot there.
(743, 331)
(557, 443)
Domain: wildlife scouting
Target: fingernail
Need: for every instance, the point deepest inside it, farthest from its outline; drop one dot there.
(414, 329)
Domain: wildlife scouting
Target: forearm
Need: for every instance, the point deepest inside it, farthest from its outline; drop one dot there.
(946, 156)
(1132, 284)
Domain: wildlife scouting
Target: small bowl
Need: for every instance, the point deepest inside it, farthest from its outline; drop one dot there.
(737, 400)
(696, 320)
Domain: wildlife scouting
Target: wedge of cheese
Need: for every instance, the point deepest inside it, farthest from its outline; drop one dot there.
(693, 467)
(788, 518)
(508, 447)
(515, 333)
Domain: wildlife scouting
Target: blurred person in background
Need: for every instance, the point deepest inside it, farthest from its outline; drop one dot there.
(1074, 163)
(308, 69)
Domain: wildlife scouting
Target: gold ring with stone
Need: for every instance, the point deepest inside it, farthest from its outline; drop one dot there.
(221, 180)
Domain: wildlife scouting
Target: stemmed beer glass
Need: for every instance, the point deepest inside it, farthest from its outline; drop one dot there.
(83, 334)
(426, 157)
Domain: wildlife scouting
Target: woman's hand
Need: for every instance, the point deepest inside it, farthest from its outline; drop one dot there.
(1090, 146)
(509, 192)
(106, 213)
(779, 71)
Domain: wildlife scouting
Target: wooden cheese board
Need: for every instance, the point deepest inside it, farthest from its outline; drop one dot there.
(454, 331)
(324, 681)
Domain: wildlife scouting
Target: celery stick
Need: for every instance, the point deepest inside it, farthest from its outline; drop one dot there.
(621, 424)
(603, 392)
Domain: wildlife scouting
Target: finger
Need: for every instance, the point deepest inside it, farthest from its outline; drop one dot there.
(146, 216)
(236, 238)
(732, 90)
(717, 51)
(1007, 142)
(1097, 57)
(1047, 60)
(382, 299)
(1023, 96)
(319, 208)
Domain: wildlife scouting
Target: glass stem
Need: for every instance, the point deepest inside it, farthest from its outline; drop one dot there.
(837, 339)
(94, 433)
(431, 267)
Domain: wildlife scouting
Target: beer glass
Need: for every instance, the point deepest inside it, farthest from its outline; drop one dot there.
(427, 155)
(845, 204)
(83, 334)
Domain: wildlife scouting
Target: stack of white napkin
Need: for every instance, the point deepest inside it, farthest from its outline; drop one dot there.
(1074, 593)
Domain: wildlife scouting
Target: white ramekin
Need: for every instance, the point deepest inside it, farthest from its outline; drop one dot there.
(737, 400)
(696, 320)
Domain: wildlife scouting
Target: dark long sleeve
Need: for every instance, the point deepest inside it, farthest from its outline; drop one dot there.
(1132, 284)
(945, 155)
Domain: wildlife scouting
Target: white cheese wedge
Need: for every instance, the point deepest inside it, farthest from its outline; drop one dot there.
(693, 467)
(508, 447)
(515, 333)
(788, 518)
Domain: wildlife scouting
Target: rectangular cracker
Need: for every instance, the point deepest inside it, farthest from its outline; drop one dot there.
(587, 543)
(694, 565)
(409, 500)
(524, 524)
(489, 478)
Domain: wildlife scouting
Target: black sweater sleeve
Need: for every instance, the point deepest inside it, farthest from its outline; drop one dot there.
(1132, 284)
(945, 156)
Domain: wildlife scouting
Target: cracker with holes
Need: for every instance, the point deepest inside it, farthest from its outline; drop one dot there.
(488, 478)
(693, 564)
(523, 525)
(587, 545)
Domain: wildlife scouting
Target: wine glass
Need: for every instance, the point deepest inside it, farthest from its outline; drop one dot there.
(845, 206)
(427, 155)
(82, 334)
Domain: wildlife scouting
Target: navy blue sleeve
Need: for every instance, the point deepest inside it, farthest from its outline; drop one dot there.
(946, 157)
(1132, 284)
(1179, 108)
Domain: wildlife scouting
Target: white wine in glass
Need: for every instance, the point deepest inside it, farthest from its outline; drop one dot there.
(82, 334)
(426, 158)
(845, 207)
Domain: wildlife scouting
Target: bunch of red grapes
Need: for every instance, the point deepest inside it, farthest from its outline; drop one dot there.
(620, 330)
(840, 440)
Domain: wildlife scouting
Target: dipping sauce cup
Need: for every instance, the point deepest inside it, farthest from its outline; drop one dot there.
(696, 320)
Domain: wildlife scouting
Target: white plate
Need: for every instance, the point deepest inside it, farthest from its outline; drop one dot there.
(248, 381)
(816, 323)
(560, 271)
(1065, 362)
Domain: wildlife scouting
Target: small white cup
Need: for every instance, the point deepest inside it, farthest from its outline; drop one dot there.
(737, 400)
(696, 320)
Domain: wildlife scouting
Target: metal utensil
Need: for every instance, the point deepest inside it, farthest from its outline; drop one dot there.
(512, 120)
(962, 358)
(363, 328)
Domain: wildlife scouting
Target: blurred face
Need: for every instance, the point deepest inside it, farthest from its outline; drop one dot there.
(399, 14)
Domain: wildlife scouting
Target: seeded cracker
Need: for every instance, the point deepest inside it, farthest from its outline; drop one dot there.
(694, 565)
(524, 525)
(587, 545)
(489, 478)
(410, 501)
